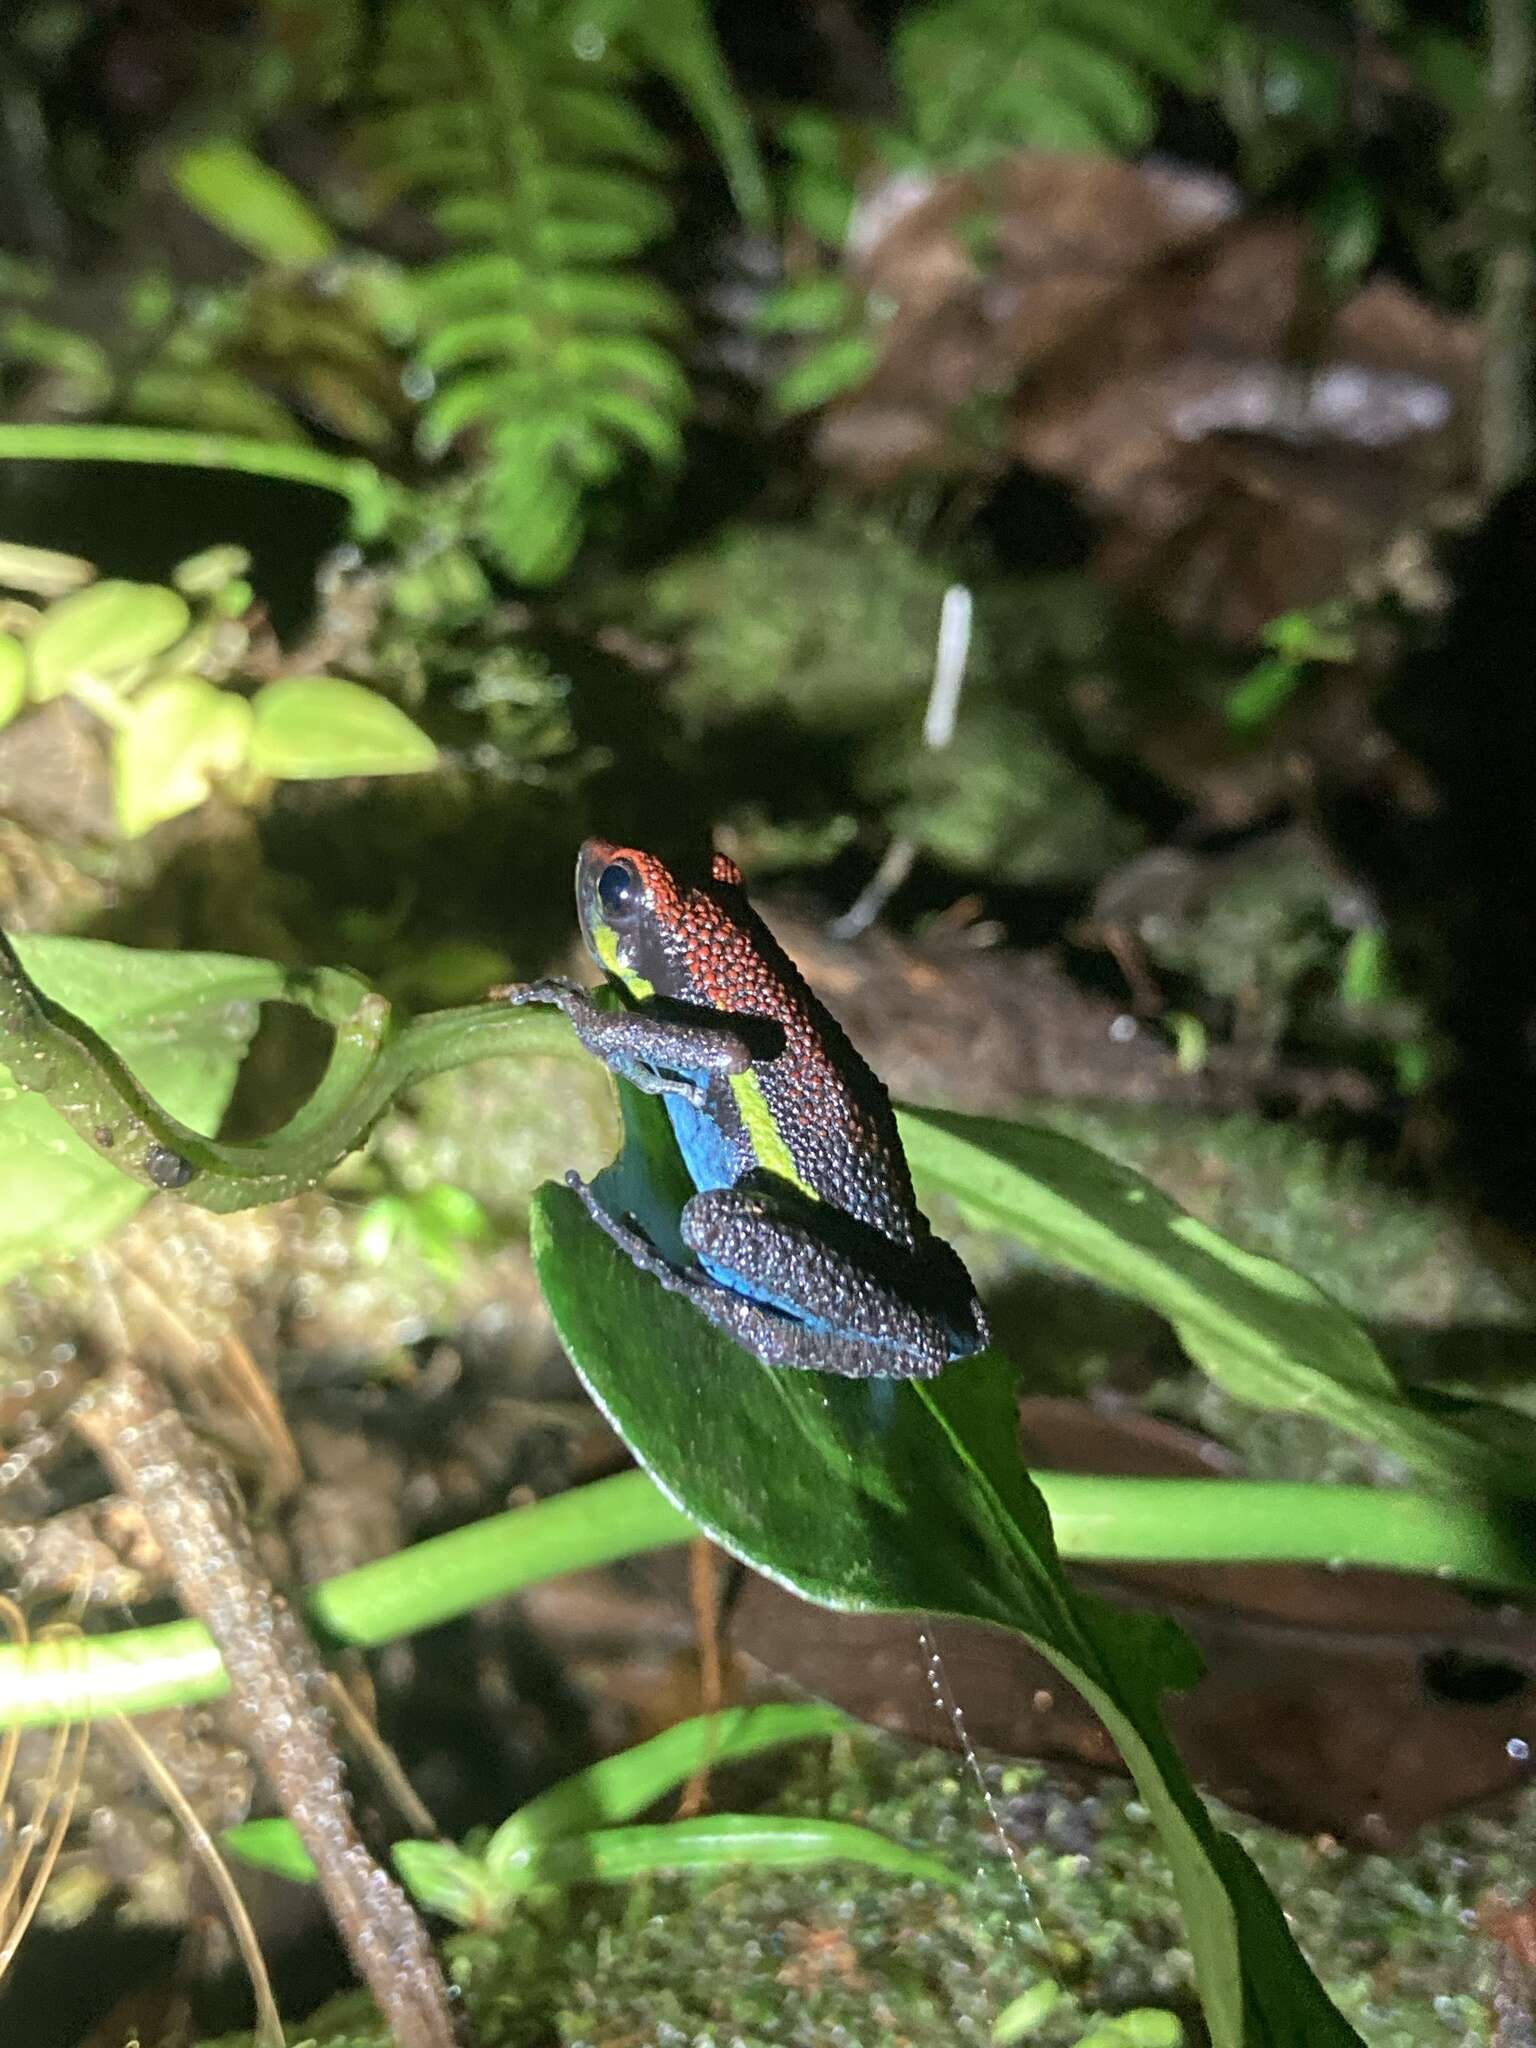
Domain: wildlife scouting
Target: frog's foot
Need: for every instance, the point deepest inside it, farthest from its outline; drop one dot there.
(553, 988)
(632, 1240)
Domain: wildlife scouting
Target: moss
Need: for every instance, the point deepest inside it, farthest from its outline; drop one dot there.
(810, 1960)
(829, 631)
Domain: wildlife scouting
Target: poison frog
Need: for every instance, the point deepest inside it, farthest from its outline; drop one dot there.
(806, 1243)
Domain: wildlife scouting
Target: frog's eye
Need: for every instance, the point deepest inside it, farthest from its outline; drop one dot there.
(618, 891)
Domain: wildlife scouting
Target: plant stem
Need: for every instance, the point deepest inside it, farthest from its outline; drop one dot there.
(52, 1053)
(1097, 1520)
(375, 498)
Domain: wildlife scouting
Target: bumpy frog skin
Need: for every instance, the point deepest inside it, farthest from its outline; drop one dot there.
(810, 1249)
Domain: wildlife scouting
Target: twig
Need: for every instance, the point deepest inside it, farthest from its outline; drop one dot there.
(277, 1684)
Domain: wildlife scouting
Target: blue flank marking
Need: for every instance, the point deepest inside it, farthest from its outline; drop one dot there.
(706, 1152)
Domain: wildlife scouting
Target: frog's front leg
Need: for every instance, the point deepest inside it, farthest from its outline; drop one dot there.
(864, 1305)
(659, 1055)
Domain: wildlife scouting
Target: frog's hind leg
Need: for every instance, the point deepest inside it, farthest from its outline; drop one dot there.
(767, 1334)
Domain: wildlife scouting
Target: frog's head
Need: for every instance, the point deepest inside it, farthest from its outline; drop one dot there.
(638, 915)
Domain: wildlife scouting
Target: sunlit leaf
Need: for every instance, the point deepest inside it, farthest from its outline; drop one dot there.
(313, 728)
(184, 735)
(103, 632)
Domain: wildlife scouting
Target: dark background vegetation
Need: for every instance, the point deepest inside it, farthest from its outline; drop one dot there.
(697, 352)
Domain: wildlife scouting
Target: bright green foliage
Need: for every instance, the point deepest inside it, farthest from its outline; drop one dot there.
(515, 125)
(556, 1839)
(908, 1498)
(313, 728)
(185, 735)
(982, 77)
(253, 204)
(152, 661)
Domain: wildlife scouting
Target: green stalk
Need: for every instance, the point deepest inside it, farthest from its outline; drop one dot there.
(375, 498)
(50, 1052)
(1097, 1520)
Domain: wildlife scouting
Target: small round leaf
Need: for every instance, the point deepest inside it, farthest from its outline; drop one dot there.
(103, 631)
(313, 728)
(183, 735)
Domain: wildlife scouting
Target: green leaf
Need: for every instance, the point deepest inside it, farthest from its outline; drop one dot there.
(621, 1787)
(602, 124)
(604, 196)
(638, 420)
(718, 1840)
(272, 1845)
(1024, 2014)
(1264, 692)
(1106, 88)
(807, 305)
(827, 372)
(678, 38)
(481, 337)
(313, 728)
(907, 1497)
(1266, 1334)
(43, 572)
(102, 632)
(13, 677)
(251, 203)
(183, 735)
(613, 299)
(463, 285)
(445, 1880)
(181, 1021)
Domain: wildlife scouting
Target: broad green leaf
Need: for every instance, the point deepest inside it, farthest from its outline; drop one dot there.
(717, 1840)
(13, 677)
(313, 728)
(102, 632)
(251, 203)
(182, 1022)
(623, 1786)
(1266, 1334)
(835, 367)
(183, 735)
(905, 1497)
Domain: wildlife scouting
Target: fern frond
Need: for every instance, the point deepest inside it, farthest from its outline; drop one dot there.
(513, 122)
(982, 77)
